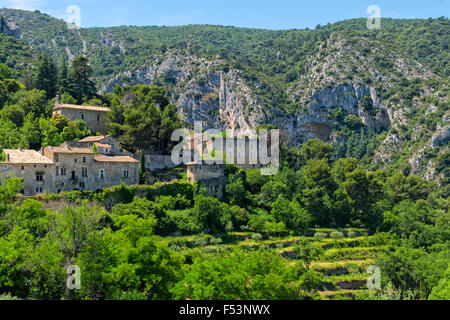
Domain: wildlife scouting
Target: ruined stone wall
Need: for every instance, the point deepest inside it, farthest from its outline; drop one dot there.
(204, 171)
(215, 187)
(158, 162)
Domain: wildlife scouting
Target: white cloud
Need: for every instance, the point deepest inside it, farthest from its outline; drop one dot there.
(23, 4)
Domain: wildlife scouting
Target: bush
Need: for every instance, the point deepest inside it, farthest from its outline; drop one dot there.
(351, 234)
(320, 235)
(257, 237)
(336, 235)
(215, 241)
(180, 220)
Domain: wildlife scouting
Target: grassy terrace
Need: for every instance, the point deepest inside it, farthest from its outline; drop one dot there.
(344, 262)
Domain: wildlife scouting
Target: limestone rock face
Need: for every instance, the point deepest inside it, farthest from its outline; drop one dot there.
(201, 91)
(442, 135)
(9, 28)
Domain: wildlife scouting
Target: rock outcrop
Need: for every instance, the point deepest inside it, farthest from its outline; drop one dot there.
(9, 28)
(442, 135)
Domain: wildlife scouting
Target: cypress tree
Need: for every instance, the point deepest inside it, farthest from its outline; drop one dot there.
(63, 77)
(46, 77)
(81, 85)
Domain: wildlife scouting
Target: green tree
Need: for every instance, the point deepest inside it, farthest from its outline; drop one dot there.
(46, 77)
(5, 72)
(236, 193)
(31, 131)
(63, 77)
(81, 85)
(238, 275)
(292, 214)
(143, 119)
(442, 290)
(76, 130)
(308, 252)
(315, 149)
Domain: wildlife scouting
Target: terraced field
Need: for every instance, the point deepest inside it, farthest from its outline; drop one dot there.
(347, 254)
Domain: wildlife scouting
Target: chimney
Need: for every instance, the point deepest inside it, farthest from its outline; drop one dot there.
(57, 100)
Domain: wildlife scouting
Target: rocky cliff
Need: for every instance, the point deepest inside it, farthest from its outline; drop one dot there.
(9, 28)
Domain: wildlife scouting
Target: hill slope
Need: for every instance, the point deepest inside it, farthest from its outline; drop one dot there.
(382, 95)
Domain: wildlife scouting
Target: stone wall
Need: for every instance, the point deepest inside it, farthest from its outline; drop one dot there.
(215, 186)
(95, 120)
(158, 163)
(114, 174)
(28, 174)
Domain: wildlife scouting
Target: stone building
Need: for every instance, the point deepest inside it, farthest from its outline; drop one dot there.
(208, 176)
(208, 154)
(70, 166)
(104, 144)
(95, 117)
(35, 170)
(241, 151)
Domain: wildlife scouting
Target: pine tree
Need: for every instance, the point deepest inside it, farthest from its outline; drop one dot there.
(63, 77)
(142, 169)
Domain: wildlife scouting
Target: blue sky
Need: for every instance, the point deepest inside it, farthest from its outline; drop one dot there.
(280, 14)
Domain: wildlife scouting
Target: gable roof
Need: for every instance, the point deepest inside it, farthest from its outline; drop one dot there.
(94, 138)
(78, 107)
(25, 157)
(123, 159)
(103, 145)
(74, 150)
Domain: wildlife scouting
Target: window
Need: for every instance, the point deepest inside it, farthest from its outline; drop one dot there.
(82, 185)
(63, 171)
(38, 189)
(98, 118)
(102, 174)
(84, 171)
(76, 160)
(56, 157)
(126, 174)
(82, 116)
(39, 176)
(84, 160)
(57, 171)
(22, 168)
